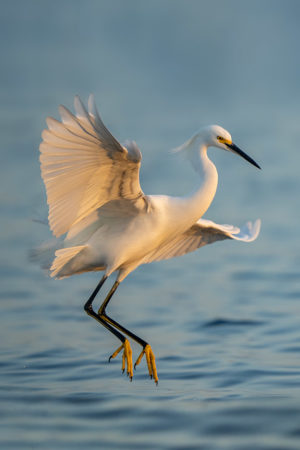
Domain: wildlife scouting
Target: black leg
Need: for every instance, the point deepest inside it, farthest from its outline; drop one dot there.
(108, 297)
(89, 303)
(104, 316)
(88, 307)
(114, 326)
(127, 353)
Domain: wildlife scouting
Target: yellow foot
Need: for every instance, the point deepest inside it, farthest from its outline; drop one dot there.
(127, 358)
(150, 358)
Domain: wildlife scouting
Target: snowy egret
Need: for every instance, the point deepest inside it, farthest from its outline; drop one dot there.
(96, 201)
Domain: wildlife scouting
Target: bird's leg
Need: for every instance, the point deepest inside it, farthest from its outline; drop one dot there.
(146, 347)
(89, 302)
(127, 354)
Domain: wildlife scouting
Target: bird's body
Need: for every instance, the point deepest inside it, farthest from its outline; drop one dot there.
(120, 242)
(95, 199)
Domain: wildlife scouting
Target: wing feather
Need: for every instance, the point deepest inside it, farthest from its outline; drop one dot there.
(203, 232)
(84, 167)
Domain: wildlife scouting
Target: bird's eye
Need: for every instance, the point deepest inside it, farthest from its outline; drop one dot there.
(220, 138)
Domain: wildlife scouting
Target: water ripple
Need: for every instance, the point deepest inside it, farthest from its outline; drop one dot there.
(232, 322)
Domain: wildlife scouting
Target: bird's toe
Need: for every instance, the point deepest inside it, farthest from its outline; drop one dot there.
(150, 358)
(126, 358)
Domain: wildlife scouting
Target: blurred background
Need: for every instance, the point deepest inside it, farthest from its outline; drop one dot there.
(223, 321)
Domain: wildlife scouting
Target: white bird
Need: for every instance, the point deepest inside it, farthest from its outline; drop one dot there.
(96, 201)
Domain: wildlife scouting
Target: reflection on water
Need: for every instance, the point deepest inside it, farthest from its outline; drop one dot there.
(223, 322)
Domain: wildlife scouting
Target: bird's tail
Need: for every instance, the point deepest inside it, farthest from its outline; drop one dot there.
(60, 262)
(68, 261)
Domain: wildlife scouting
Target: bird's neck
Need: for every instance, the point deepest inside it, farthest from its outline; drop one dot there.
(197, 203)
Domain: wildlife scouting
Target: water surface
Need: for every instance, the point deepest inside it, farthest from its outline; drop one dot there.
(223, 321)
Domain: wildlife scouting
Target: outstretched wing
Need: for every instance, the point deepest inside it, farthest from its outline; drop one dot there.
(83, 166)
(203, 232)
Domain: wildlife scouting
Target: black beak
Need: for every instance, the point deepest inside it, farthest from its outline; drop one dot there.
(240, 152)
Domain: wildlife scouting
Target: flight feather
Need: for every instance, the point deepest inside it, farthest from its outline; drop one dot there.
(84, 167)
(203, 232)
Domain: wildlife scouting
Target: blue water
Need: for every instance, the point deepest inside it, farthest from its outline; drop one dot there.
(224, 322)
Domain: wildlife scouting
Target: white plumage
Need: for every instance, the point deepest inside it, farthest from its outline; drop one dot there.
(95, 199)
(84, 167)
(94, 195)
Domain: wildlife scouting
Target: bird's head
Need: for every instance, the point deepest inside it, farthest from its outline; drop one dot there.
(215, 136)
